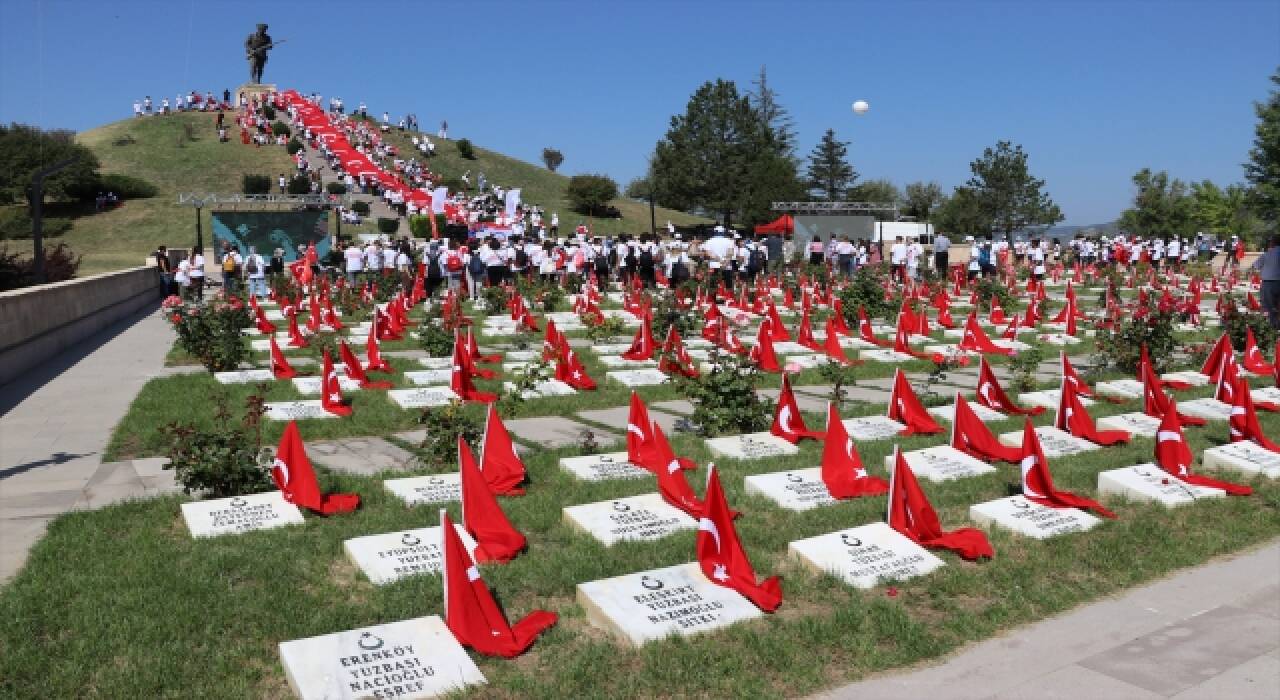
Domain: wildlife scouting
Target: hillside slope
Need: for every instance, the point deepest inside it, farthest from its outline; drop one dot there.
(181, 153)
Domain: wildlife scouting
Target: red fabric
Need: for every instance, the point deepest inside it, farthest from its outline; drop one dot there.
(837, 315)
(672, 484)
(1213, 363)
(473, 348)
(864, 330)
(296, 478)
(1072, 378)
(832, 346)
(1074, 418)
(804, 334)
(1173, 454)
(777, 330)
(373, 353)
(1243, 424)
(1155, 402)
(971, 436)
(788, 424)
(571, 371)
(842, 469)
(721, 555)
(762, 354)
(991, 394)
(911, 514)
(1228, 373)
(976, 339)
(296, 339)
(331, 390)
(905, 407)
(642, 345)
(497, 538)
(280, 367)
(640, 434)
(460, 379)
(674, 357)
(356, 371)
(264, 326)
(1037, 484)
(470, 611)
(502, 468)
(1253, 359)
(782, 224)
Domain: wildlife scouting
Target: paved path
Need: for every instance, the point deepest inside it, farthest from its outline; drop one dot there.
(54, 427)
(1208, 632)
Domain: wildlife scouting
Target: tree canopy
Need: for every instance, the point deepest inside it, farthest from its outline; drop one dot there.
(1006, 193)
(830, 174)
(920, 199)
(552, 158)
(1263, 169)
(25, 150)
(590, 194)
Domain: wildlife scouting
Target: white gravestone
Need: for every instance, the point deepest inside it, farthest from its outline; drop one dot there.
(986, 415)
(297, 410)
(1010, 344)
(798, 489)
(543, 389)
(619, 362)
(239, 514)
(1243, 456)
(751, 446)
(636, 518)
(1120, 388)
(865, 556)
(942, 463)
(1030, 519)
(602, 467)
(432, 488)
(872, 428)
(649, 605)
(428, 377)
(244, 376)
(613, 348)
(1132, 423)
(638, 377)
(1054, 442)
(418, 658)
(520, 356)
(1047, 399)
(1058, 339)
(428, 397)
(1208, 409)
(310, 386)
(356, 342)
(884, 355)
(1147, 482)
(393, 555)
(436, 362)
(1267, 394)
(1192, 378)
(806, 361)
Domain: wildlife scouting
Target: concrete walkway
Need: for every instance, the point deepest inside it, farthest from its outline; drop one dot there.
(55, 424)
(1210, 632)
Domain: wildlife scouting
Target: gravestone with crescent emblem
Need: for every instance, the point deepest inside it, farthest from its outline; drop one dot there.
(240, 514)
(1047, 399)
(393, 555)
(426, 397)
(751, 446)
(432, 488)
(648, 605)
(865, 556)
(310, 386)
(798, 489)
(635, 518)
(296, 410)
(942, 463)
(1030, 519)
(429, 377)
(1244, 456)
(1148, 482)
(602, 467)
(418, 658)
(1120, 389)
(872, 428)
(1054, 441)
(1132, 423)
(638, 377)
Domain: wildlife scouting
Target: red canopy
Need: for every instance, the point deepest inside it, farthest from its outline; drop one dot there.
(783, 224)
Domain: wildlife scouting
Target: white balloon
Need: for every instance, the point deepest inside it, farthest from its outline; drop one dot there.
(861, 107)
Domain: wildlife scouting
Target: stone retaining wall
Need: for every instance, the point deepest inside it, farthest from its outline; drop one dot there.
(37, 323)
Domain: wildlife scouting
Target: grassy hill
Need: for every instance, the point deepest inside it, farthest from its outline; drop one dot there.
(181, 153)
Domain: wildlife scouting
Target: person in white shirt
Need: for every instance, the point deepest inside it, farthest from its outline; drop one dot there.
(975, 253)
(844, 256)
(354, 258)
(373, 257)
(197, 274)
(137, 108)
(914, 252)
(719, 252)
(1037, 260)
(255, 273)
(183, 276)
(389, 253)
(898, 258)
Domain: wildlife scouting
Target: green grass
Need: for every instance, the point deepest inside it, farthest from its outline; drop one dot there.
(123, 602)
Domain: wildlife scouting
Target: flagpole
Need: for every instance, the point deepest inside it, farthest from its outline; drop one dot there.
(893, 472)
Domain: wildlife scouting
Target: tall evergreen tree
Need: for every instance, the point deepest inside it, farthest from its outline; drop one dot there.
(1263, 169)
(920, 199)
(829, 171)
(1009, 196)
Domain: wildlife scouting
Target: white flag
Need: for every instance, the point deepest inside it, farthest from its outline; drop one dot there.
(513, 201)
(438, 198)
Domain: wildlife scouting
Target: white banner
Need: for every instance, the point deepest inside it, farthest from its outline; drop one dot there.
(513, 201)
(437, 199)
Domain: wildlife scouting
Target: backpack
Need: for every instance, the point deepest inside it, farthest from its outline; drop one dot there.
(477, 265)
(453, 261)
(631, 257)
(228, 263)
(755, 262)
(602, 263)
(646, 258)
(433, 267)
(251, 265)
(522, 258)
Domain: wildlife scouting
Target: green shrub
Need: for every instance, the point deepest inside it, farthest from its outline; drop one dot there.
(388, 225)
(293, 146)
(590, 194)
(989, 288)
(227, 460)
(255, 184)
(1121, 346)
(16, 271)
(465, 149)
(444, 425)
(1023, 367)
(1235, 322)
(299, 184)
(434, 338)
(725, 399)
(280, 129)
(124, 187)
(495, 300)
(866, 290)
(211, 331)
(420, 225)
(360, 207)
(335, 188)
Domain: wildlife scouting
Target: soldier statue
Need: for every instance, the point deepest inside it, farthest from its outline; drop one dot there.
(256, 46)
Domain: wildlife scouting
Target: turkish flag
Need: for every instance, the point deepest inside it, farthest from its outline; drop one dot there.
(498, 540)
(331, 390)
(788, 424)
(356, 371)
(280, 367)
(1037, 484)
(470, 611)
(672, 484)
(571, 371)
(972, 437)
(721, 555)
(1173, 454)
(842, 469)
(296, 478)
(502, 468)
(1075, 419)
(911, 514)
(905, 407)
(991, 394)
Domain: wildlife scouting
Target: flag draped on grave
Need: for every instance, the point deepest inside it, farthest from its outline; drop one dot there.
(1243, 423)
(356, 371)
(911, 514)
(788, 424)
(296, 478)
(721, 555)
(1037, 483)
(502, 468)
(331, 390)
(991, 394)
(842, 468)
(470, 611)
(905, 407)
(972, 437)
(1173, 454)
(280, 367)
(497, 538)
(1074, 418)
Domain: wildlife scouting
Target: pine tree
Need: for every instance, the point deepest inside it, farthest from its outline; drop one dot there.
(829, 169)
(1006, 192)
(1263, 169)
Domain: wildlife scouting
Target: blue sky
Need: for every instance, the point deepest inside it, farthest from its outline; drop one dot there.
(1093, 90)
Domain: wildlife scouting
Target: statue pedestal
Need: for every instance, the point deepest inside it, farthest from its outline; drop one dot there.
(250, 90)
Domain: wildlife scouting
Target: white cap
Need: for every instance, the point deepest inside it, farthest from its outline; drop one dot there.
(719, 229)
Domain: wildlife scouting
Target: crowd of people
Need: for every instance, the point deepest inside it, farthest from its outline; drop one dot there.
(193, 101)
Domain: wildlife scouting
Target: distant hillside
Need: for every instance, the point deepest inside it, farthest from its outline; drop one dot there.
(181, 153)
